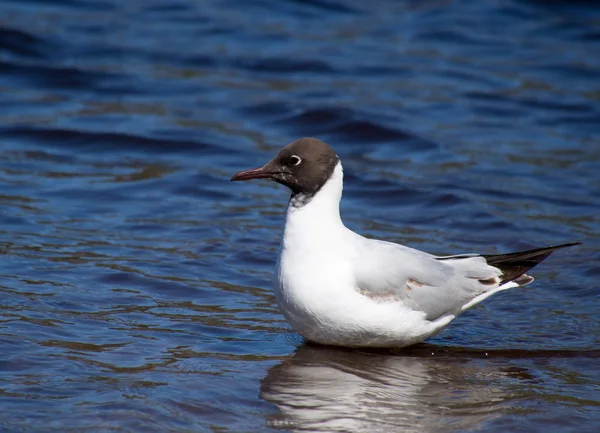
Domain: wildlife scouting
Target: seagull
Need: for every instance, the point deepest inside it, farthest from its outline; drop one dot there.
(336, 287)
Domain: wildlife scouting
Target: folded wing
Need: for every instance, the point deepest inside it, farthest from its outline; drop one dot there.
(438, 286)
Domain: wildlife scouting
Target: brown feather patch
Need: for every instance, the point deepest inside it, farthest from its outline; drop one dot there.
(489, 281)
(413, 284)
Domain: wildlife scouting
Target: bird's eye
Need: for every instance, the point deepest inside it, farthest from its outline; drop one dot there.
(294, 160)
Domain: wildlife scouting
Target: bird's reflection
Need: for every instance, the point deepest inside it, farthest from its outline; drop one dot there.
(422, 389)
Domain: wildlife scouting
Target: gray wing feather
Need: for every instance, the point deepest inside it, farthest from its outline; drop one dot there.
(420, 280)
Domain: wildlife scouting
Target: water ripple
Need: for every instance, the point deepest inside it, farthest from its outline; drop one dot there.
(135, 279)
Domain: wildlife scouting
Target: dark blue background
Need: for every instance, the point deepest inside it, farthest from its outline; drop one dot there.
(135, 279)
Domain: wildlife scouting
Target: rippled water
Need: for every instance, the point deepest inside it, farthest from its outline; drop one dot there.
(136, 280)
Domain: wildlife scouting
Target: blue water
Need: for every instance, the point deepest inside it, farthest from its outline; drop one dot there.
(136, 280)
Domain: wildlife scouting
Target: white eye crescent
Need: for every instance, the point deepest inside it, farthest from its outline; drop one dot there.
(295, 160)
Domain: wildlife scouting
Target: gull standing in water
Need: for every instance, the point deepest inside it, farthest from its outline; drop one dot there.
(337, 287)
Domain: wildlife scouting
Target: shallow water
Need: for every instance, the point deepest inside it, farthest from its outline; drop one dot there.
(136, 280)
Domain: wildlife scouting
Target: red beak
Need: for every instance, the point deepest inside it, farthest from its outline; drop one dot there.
(253, 173)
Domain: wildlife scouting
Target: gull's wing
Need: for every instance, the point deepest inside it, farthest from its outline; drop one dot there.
(438, 285)
(386, 271)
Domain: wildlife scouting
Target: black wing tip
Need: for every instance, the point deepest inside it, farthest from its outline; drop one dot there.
(569, 244)
(531, 253)
(514, 265)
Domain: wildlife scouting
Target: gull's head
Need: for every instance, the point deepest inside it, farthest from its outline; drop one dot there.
(303, 166)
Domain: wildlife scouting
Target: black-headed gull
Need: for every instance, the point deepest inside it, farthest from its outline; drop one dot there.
(337, 287)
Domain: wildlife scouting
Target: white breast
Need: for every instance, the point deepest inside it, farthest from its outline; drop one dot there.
(316, 289)
(313, 263)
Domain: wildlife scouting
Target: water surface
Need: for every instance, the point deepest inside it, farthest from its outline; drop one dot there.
(136, 280)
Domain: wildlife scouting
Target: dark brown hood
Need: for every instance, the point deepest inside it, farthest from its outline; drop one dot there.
(303, 166)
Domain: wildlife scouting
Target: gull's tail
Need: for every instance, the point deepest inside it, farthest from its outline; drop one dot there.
(514, 265)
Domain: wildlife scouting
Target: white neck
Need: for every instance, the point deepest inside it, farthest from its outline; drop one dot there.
(318, 219)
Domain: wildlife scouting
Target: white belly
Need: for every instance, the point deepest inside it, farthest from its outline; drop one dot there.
(316, 289)
(325, 307)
